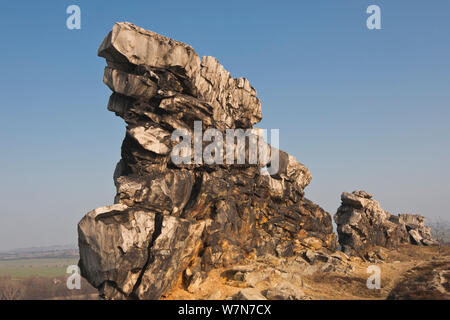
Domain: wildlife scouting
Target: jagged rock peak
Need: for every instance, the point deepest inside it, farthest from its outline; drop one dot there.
(174, 221)
(362, 224)
(139, 60)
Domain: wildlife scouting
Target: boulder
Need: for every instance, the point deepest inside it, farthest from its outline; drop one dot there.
(124, 250)
(248, 294)
(415, 236)
(151, 139)
(129, 84)
(416, 222)
(166, 192)
(427, 242)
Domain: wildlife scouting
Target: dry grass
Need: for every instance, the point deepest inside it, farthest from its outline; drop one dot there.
(399, 261)
(333, 286)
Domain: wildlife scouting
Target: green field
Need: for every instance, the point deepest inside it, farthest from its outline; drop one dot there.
(48, 267)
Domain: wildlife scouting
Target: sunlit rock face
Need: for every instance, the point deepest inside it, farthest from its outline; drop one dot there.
(169, 217)
(362, 224)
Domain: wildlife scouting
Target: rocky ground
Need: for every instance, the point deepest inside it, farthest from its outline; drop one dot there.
(406, 273)
(199, 219)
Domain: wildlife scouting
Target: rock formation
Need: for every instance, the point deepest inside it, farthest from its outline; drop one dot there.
(362, 223)
(172, 222)
(415, 226)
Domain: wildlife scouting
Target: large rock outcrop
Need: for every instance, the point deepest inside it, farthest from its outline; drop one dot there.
(169, 216)
(362, 223)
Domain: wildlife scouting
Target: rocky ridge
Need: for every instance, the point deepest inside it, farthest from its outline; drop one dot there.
(362, 223)
(173, 222)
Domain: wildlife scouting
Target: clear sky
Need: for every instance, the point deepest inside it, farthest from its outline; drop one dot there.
(362, 109)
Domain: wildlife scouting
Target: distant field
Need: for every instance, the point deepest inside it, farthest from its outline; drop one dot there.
(49, 267)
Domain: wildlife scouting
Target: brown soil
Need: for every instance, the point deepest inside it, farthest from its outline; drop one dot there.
(335, 286)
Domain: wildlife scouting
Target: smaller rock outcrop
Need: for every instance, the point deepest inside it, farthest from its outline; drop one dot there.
(362, 223)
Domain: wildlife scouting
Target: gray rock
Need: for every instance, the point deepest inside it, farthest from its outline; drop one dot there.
(129, 84)
(291, 170)
(362, 223)
(152, 139)
(416, 222)
(125, 264)
(173, 220)
(427, 242)
(252, 279)
(285, 291)
(248, 294)
(415, 236)
(355, 201)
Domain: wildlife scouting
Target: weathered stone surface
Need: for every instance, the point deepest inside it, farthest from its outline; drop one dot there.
(176, 221)
(427, 242)
(170, 254)
(151, 139)
(166, 192)
(362, 223)
(249, 294)
(127, 43)
(234, 101)
(129, 84)
(282, 278)
(122, 248)
(415, 225)
(415, 236)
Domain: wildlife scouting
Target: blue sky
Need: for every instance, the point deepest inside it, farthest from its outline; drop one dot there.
(360, 108)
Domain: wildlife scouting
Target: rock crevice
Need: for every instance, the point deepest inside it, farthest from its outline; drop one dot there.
(171, 217)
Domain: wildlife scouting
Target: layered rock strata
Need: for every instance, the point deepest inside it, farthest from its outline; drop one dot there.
(174, 220)
(362, 223)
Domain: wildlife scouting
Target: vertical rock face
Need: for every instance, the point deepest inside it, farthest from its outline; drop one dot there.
(362, 223)
(169, 217)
